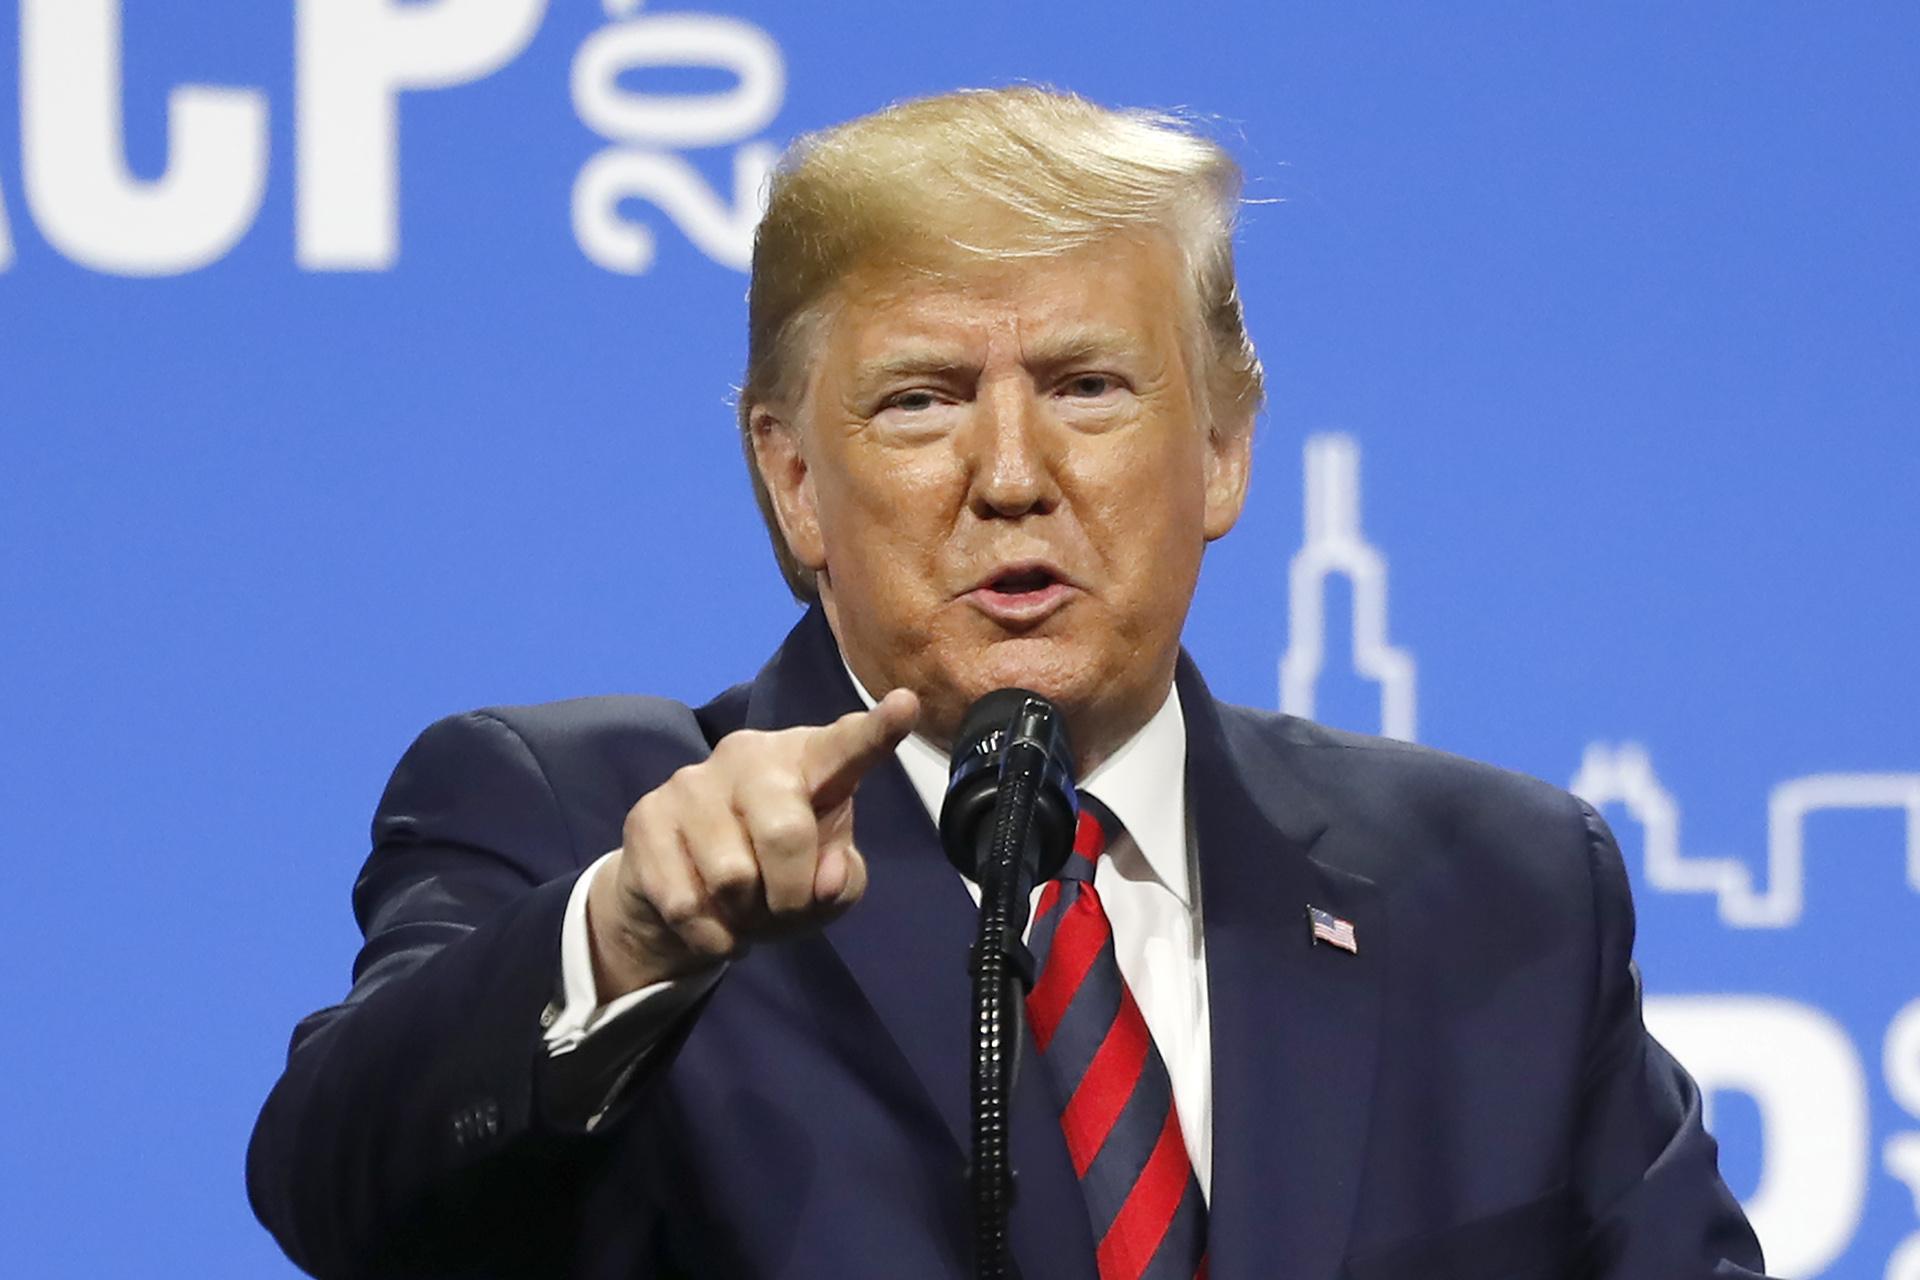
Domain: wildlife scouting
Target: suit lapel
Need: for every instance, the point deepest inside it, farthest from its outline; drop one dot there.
(1294, 1025)
(906, 946)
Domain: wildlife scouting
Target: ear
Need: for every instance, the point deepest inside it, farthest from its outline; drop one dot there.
(782, 461)
(1229, 460)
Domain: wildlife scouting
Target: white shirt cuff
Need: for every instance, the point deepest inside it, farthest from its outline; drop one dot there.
(581, 1014)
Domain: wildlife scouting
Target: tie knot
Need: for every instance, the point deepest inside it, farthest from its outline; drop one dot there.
(1096, 828)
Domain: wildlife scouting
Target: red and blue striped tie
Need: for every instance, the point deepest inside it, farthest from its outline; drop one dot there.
(1149, 1218)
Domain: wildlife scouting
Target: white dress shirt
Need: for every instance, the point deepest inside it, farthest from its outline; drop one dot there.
(1147, 883)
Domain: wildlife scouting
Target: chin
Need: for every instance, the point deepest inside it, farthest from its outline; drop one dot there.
(1055, 669)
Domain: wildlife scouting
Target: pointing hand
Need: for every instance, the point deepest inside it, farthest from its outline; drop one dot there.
(754, 842)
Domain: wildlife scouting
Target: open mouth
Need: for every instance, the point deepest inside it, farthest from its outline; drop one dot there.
(1022, 596)
(1021, 582)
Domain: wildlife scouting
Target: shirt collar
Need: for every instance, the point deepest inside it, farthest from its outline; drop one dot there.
(1144, 783)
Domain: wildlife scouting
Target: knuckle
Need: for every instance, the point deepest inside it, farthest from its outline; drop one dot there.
(787, 833)
(652, 814)
(732, 874)
(678, 907)
(738, 745)
(711, 939)
(646, 881)
(772, 790)
(703, 788)
(784, 833)
(638, 818)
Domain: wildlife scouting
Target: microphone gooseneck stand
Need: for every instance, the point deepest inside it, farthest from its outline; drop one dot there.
(1002, 975)
(1007, 825)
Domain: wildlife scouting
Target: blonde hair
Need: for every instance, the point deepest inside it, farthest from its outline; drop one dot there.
(988, 175)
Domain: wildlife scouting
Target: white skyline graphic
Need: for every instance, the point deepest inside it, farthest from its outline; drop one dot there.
(1623, 774)
(1333, 544)
(1609, 774)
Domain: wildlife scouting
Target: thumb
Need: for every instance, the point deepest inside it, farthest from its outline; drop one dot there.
(840, 879)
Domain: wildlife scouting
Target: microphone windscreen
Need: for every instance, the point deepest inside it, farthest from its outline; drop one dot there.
(973, 781)
(982, 732)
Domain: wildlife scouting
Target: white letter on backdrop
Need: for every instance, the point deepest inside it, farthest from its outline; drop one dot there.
(1800, 1068)
(679, 120)
(1904, 1263)
(724, 232)
(1901, 1060)
(355, 58)
(647, 125)
(73, 152)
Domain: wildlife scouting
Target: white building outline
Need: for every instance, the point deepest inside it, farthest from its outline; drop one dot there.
(1334, 544)
(1623, 774)
(1609, 773)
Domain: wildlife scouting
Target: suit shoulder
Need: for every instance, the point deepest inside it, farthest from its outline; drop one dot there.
(593, 756)
(1403, 786)
(620, 721)
(601, 716)
(627, 737)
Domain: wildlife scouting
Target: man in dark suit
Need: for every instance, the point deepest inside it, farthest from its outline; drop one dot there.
(647, 991)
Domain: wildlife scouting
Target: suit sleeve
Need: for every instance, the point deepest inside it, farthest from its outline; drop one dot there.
(407, 1132)
(1647, 1177)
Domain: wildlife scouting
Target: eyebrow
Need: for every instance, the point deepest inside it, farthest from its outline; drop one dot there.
(913, 363)
(1048, 354)
(1082, 345)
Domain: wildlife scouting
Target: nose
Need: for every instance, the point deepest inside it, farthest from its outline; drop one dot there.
(1012, 472)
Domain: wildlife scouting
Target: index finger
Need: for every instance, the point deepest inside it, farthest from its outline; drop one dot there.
(838, 755)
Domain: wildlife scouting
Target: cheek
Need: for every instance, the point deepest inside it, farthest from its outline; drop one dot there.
(883, 507)
(1146, 502)
(902, 489)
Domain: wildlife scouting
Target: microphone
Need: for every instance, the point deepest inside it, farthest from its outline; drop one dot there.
(1007, 824)
(1010, 734)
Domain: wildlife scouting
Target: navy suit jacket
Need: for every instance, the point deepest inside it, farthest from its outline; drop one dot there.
(1471, 1095)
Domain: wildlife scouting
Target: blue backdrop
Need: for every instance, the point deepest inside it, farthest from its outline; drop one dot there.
(366, 360)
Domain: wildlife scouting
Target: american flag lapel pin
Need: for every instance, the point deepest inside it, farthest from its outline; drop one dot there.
(1332, 930)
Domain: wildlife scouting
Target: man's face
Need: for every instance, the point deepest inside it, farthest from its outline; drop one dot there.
(1001, 478)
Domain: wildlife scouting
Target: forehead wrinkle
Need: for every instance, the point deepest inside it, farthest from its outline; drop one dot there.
(915, 323)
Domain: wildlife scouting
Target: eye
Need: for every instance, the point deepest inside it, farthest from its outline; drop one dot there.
(915, 401)
(1089, 386)
(916, 414)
